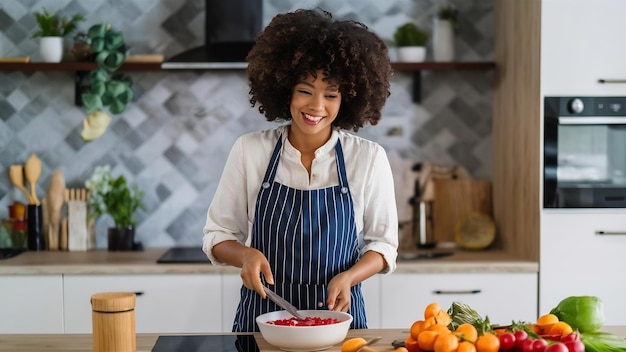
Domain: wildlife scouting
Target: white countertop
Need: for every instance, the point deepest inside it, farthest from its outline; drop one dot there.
(144, 262)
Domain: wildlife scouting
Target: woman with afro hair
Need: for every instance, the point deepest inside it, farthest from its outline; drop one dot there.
(308, 209)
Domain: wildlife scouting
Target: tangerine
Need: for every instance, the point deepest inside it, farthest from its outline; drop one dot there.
(466, 346)
(416, 328)
(426, 340)
(467, 332)
(487, 343)
(432, 310)
(560, 328)
(446, 343)
(411, 344)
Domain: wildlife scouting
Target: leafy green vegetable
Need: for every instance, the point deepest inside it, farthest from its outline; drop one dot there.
(583, 313)
(603, 342)
(461, 313)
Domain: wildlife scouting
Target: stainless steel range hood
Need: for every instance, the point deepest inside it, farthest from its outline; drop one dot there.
(230, 29)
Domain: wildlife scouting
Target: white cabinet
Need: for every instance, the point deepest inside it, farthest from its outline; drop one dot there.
(575, 261)
(31, 304)
(371, 295)
(581, 42)
(502, 297)
(165, 303)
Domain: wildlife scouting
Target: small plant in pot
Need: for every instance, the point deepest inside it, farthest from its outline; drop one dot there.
(120, 200)
(52, 29)
(443, 33)
(410, 41)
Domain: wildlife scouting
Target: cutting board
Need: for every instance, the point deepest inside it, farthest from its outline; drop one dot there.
(455, 198)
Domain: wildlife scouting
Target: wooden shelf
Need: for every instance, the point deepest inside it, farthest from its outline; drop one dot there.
(75, 66)
(415, 67)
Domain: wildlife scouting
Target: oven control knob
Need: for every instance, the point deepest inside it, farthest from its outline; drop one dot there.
(576, 106)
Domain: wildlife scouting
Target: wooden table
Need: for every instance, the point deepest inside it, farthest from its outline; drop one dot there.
(145, 342)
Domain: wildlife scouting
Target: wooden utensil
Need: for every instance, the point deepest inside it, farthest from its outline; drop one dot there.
(55, 203)
(32, 171)
(16, 174)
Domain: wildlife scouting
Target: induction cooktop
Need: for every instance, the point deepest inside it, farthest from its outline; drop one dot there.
(206, 343)
(186, 255)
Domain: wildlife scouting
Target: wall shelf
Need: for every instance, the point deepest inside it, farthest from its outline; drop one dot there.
(81, 67)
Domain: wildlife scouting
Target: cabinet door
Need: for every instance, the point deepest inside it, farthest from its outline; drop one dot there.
(31, 304)
(581, 42)
(575, 261)
(165, 303)
(371, 294)
(502, 297)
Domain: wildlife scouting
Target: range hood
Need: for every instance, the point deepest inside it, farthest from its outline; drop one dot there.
(230, 29)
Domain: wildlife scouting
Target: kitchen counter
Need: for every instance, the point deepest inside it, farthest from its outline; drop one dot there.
(144, 262)
(145, 342)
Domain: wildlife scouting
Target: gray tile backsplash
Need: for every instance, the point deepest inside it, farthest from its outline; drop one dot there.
(175, 136)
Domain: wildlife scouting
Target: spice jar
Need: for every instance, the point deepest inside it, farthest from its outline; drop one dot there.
(113, 317)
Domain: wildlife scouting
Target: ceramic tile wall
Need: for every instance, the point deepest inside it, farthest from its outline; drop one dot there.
(173, 140)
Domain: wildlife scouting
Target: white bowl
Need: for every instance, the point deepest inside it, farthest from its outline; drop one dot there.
(304, 338)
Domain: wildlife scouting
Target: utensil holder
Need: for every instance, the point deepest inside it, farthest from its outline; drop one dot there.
(34, 227)
(113, 320)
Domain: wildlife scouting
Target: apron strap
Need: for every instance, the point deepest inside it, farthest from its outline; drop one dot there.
(270, 173)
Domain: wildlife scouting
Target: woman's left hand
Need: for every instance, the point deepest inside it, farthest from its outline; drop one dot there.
(339, 293)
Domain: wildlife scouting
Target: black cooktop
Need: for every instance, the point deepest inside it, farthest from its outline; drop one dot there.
(206, 343)
(184, 255)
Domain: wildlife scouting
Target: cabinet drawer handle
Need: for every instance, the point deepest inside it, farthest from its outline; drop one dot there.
(453, 292)
(601, 80)
(610, 233)
(139, 293)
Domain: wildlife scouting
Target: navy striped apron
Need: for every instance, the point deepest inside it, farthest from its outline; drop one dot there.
(308, 237)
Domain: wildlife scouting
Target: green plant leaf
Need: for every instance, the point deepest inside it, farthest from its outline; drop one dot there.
(117, 106)
(113, 40)
(107, 99)
(98, 88)
(110, 60)
(97, 31)
(91, 102)
(96, 44)
(98, 76)
(116, 87)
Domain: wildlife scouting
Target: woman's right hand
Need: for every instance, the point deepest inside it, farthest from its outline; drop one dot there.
(253, 265)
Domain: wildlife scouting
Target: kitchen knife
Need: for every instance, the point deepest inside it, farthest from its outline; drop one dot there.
(283, 303)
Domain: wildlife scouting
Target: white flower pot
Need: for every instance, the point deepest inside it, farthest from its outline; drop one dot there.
(443, 40)
(411, 53)
(51, 49)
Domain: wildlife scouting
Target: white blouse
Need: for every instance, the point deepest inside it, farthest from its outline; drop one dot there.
(231, 213)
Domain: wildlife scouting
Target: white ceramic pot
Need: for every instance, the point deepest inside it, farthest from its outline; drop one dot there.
(51, 49)
(411, 53)
(443, 40)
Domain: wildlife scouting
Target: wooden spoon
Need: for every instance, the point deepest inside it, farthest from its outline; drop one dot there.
(16, 174)
(32, 171)
(55, 203)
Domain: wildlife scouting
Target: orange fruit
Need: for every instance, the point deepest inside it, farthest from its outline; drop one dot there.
(432, 310)
(411, 344)
(487, 343)
(416, 328)
(401, 349)
(467, 332)
(443, 318)
(426, 340)
(560, 328)
(446, 343)
(546, 321)
(438, 329)
(466, 346)
(353, 344)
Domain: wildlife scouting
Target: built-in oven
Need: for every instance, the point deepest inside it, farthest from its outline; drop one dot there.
(584, 164)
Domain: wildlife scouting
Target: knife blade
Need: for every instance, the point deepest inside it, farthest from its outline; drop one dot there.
(283, 303)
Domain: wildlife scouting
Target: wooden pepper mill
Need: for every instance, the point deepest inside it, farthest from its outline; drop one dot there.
(113, 316)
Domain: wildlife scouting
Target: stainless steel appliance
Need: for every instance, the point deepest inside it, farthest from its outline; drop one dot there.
(584, 152)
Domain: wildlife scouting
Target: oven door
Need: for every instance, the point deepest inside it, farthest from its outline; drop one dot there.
(585, 162)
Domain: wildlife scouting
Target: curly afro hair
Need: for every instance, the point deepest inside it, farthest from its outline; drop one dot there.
(302, 42)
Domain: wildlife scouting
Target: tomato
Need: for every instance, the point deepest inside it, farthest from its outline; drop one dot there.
(539, 345)
(520, 337)
(527, 345)
(575, 346)
(570, 337)
(507, 341)
(557, 347)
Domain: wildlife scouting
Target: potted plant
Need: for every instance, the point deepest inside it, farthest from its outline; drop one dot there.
(52, 29)
(410, 41)
(443, 43)
(107, 88)
(120, 200)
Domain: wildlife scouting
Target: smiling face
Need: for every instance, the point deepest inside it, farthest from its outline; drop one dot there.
(314, 106)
